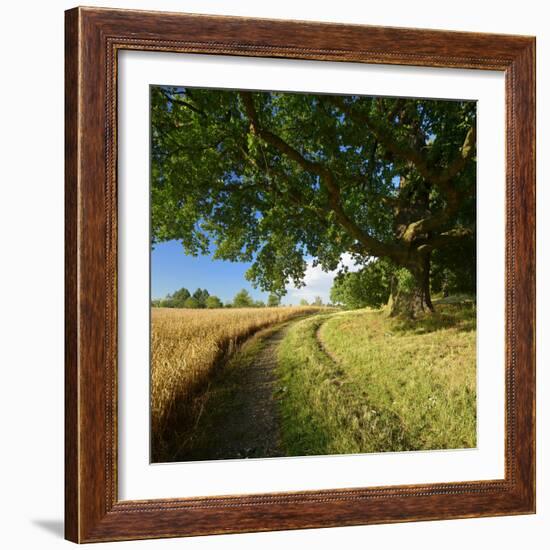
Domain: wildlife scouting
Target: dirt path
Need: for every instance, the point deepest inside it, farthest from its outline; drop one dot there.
(243, 421)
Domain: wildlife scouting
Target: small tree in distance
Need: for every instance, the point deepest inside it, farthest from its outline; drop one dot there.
(201, 296)
(192, 303)
(304, 302)
(176, 299)
(317, 302)
(213, 302)
(243, 299)
(273, 300)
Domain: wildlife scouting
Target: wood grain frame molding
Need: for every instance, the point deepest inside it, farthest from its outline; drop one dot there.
(93, 39)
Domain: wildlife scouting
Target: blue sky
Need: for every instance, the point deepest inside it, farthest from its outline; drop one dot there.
(171, 269)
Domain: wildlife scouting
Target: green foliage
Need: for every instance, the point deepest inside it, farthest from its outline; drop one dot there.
(201, 298)
(201, 295)
(176, 299)
(304, 302)
(183, 298)
(450, 273)
(369, 287)
(405, 280)
(218, 183)
(213, 302)
(243, 299)
(318, 301)
(273, 300)
(192, 303)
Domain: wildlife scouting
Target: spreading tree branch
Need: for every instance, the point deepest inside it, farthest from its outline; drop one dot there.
(442, 179)
(403, 151)
(372, 246)
(415, 155)
(454, 197)
(183, 103)
(453, 236)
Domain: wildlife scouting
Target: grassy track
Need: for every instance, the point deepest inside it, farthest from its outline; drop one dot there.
(360, 382)
(186, 347)
(239, 413)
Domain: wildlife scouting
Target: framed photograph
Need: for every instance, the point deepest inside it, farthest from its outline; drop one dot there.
(300, 275)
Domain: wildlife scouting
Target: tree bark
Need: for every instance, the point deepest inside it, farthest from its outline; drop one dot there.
(412, 300)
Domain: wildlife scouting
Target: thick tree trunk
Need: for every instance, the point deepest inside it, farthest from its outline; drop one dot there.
(415, 299)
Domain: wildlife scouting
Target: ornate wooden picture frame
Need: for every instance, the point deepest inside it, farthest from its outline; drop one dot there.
(94, 37)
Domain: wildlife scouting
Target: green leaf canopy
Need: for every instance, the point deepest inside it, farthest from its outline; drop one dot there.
(277, 178)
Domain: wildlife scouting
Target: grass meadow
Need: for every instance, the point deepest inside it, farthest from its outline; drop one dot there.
(360, 382)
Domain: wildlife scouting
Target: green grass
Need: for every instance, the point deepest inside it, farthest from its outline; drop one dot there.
(359, 382)
(219, 400)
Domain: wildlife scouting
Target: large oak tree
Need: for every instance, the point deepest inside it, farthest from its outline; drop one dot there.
(275, 178)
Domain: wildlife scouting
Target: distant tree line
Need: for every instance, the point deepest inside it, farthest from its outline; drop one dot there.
(317, 301)
(202, 299)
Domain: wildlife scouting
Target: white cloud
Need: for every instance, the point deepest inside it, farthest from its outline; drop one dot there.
(317, 282)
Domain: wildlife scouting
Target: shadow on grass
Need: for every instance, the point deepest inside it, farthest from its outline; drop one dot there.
(460, 316)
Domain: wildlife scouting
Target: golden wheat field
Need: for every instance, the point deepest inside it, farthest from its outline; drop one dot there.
(187, 343)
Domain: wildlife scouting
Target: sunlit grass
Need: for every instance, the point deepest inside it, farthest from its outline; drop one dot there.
(362, 382)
